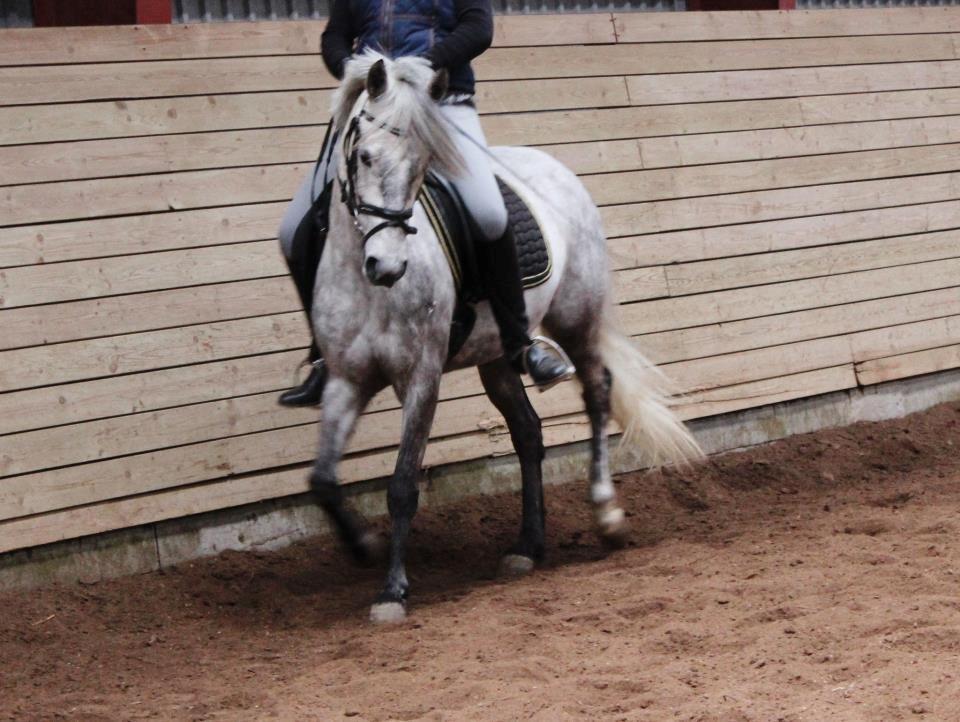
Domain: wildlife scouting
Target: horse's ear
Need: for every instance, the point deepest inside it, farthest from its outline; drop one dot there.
(439, 84)
(377, 80)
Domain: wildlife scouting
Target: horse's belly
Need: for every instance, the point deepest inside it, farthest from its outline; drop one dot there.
(484, 345)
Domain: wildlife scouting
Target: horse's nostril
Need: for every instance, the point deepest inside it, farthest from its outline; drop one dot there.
(370, 267)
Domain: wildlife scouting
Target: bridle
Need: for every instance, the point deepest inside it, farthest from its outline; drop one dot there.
(349, 195)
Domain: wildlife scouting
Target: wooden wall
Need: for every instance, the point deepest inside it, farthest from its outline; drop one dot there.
(781, 192)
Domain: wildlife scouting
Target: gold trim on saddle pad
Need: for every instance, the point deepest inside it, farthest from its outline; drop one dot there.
(448, 243)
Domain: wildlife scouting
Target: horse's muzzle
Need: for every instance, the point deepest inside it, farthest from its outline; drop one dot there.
(380, 276)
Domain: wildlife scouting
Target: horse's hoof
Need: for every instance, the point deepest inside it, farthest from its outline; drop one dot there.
(388, 613)
(612, 524)
(515, 565)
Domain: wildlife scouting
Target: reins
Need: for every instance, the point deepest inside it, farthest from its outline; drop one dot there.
(392, 218)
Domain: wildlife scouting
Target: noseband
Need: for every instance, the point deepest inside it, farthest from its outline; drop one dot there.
(348, 188)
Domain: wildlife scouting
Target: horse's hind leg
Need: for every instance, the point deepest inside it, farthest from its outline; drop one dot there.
(505, 389)
(609, 517)
(342, 404)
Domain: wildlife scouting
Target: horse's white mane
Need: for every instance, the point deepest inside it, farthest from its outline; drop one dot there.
(406, 104)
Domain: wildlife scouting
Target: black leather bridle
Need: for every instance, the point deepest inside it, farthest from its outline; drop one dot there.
(392, 218)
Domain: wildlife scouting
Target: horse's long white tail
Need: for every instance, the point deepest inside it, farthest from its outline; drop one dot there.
(640, 402)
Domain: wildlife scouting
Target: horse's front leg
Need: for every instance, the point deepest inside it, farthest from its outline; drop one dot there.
(419, 405)
(342, 404)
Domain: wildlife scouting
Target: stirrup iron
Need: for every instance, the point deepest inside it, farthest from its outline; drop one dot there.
(319, 363)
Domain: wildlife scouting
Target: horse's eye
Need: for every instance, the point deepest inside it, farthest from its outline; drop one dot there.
(366, 158)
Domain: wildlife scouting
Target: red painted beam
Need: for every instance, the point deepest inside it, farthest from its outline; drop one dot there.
(155, 12)
(52, 13)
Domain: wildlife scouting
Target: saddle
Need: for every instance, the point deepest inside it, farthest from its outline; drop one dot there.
(459, 234)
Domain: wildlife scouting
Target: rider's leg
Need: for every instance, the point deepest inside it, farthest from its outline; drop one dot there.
(498, 255)
(301, 240)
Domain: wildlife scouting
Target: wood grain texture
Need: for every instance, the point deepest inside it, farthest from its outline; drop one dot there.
(47, 242)
(751, 25)
(891, 368)
(747, 84)
(50, 46)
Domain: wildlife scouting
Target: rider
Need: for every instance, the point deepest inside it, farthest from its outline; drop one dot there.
(448, 33)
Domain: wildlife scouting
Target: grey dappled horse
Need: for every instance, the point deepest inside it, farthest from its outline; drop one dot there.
(385, 298)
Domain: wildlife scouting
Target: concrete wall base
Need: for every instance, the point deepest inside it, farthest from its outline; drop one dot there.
(277, 523)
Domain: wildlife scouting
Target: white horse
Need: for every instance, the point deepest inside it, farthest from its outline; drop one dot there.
(385, 298)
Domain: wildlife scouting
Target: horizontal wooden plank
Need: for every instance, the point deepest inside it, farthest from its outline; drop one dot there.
(157, 154)
(749, 25)
(134, 393)
(31, 493)
(767, 236)
(51, 46)
(57, 242)
(151, 193)
(136, 352)
(776, 390)
(131, 353)
(178, 386)
(154, 310)
(762, 363)
(69, 403)
(715, 339)
(80, 82)
(132, 117)
(67, 486)
(705, 276)
(724, 306)
(779, 83)
(189, 424)
(36, 84)
(691, 57)
(255, 487)
(73, 280)
(297, 143)
(161, 116)
(245, 489)
(70, 200)
(646, 185)
(731, 208)
(890, 368)
(168, 153)
(666, 120)
(114, 315)
(223, 111)
(797, 141)
(918, 336)
(81, 521)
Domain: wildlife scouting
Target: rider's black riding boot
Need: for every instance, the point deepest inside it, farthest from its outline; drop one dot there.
(310, 391)
(505, 288)
(304, 259)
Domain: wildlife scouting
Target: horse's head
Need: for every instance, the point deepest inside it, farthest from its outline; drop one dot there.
(392, 129)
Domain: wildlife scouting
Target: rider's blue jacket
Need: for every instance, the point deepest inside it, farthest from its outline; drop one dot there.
(449, 33)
